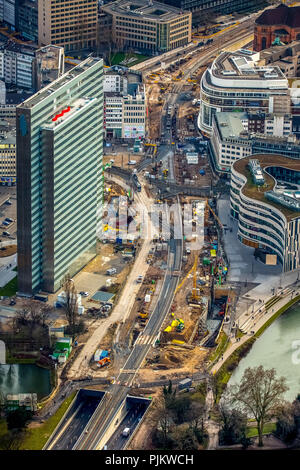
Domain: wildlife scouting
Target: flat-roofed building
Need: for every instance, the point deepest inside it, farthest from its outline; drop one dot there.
(60, 177)
(268, 212)
(148, 26)
(234, 136)
(236, 82)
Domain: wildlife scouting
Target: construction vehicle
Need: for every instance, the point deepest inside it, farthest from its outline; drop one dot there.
(143, 315)
(103, 362)
(180, 326)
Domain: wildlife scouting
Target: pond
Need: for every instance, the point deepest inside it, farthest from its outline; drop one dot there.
(278, 347)
(24, 378)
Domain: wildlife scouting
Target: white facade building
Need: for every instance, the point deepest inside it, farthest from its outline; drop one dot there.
(235, 82)
(268, 215)
(16, 65)
(232, 137)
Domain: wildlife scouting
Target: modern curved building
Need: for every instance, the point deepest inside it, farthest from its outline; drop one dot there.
(235, 82)
(265, 199)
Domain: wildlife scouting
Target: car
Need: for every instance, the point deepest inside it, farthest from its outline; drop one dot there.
(6, 234)
(84, 294)
(8, 202)
(132, 162)
(8, 219)
(12, 302)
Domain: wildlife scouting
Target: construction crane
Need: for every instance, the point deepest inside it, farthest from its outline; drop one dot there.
(190, 271)
(195, 295)
(215, 216)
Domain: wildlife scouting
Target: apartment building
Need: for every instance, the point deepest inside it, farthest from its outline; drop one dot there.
(268, 208)
(70, 24)
(148, 26)
(236, 82)
(60, 177)
(16, 64)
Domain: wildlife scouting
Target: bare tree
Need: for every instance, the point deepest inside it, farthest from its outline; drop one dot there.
(45, 311)
(70, 302)
(22, 316)
(259, 393)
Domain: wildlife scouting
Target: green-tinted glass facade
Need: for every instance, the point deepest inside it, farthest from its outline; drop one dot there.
(59, 170)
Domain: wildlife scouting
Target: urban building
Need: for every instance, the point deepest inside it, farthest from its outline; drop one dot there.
(235, 82)
(238, 135)
(16, 65)
(266, 202)
(49, 65)
(27, 19)
(124, 104)
(7, 158)
(286, 57)
(70, 24)
(147, 25)
(281, 23)
(16, 401)
(8, 12)
(30, 68)
(220, 7)
(59, 172)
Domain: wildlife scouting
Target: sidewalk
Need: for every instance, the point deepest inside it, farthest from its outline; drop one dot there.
(254, 325)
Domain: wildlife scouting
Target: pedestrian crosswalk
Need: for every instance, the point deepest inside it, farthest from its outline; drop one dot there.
(144, 339)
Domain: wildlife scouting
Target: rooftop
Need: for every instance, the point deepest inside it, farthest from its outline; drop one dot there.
(143, 9)
(67, 112)
(230, 124)
(243, 65)
(253, 191)
(57, 84)
(281, 15)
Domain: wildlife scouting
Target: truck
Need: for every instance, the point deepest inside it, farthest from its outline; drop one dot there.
(126, 432)
(185, 383)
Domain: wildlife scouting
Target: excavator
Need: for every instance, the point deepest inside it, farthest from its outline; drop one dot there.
(103, 362)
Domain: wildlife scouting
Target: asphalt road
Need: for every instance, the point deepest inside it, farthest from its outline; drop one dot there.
(131, 420)
(77, 424)
(117, 393)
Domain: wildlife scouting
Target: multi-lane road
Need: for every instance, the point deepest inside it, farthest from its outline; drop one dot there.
(116, 394)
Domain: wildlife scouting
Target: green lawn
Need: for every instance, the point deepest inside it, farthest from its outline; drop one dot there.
(119, 57)
(36, 438)
(10, 289)
(221, 348)
(268, 428)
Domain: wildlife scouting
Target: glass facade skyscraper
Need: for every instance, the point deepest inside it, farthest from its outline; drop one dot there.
(59, 171)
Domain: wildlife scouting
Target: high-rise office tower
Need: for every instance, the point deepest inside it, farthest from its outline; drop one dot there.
(59, 173)
(68, 23)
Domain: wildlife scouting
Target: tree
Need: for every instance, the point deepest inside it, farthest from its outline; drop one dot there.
(22, 316)
(11, 440)
(70, 304)
(17, 419)
(162, 416)
(234, 425)
(286, 428)
(169, 394)
(195, 416)
(259, 393)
